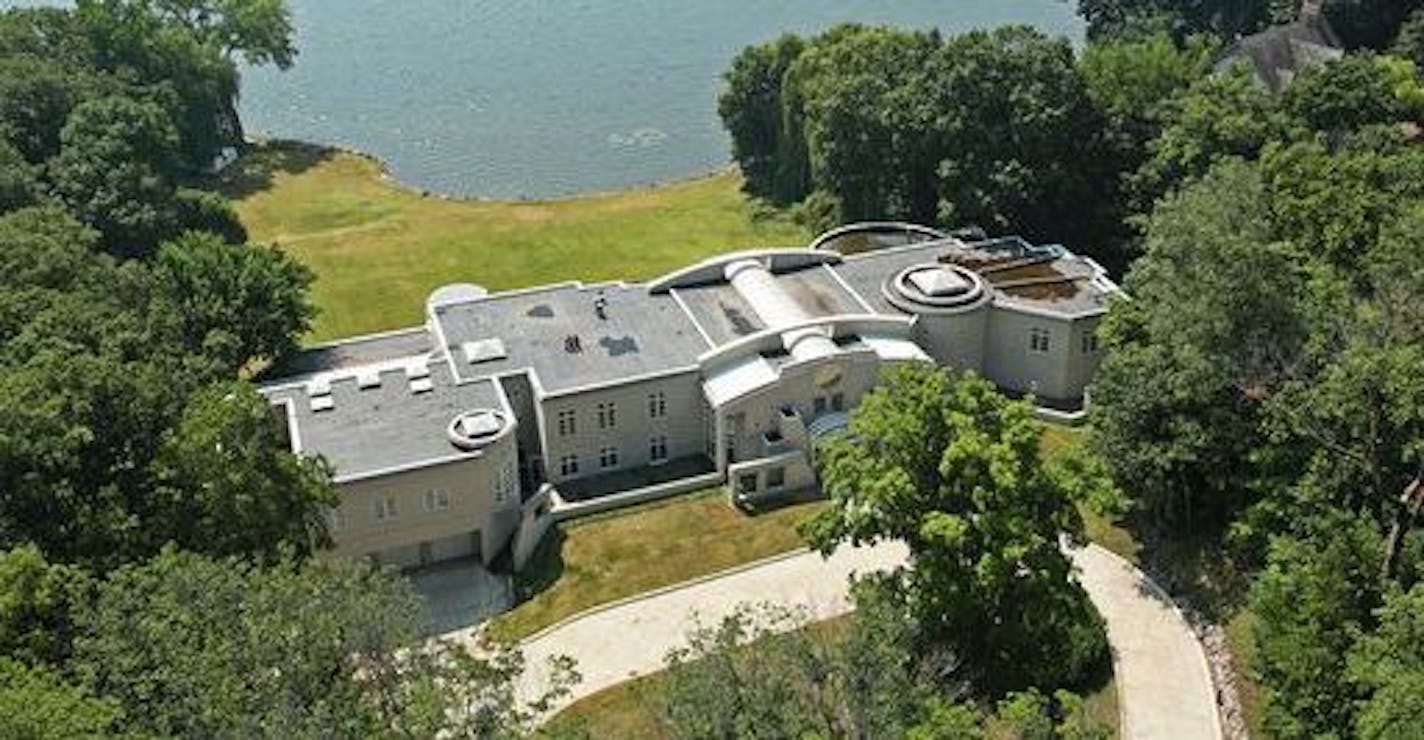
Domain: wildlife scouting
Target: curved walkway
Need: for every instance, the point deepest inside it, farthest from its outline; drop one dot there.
(1164, 687)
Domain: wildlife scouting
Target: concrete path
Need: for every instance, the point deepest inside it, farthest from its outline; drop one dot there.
(1163, 682)
(1164, 688)
(630, 638)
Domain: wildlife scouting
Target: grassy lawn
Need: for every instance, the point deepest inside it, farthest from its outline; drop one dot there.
(601, 559)
(379, 249)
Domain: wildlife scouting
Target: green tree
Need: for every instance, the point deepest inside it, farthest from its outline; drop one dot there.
(235, 302)
(752, 111)
(951, 468)
(259, 31)
(1217, 118)
(198, 647)
(760, 672)
(36, 704)
(1390, 663)
(116, 157)
(1313, 599)
(226, 483)
(1212, 328)
(19, 180)
(1352, 93)
(35, 602)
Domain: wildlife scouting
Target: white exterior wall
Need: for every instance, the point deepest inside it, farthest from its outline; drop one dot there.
(956, 340)
(357, 532)
(759, 412)
(1061, 373)
(684, 425)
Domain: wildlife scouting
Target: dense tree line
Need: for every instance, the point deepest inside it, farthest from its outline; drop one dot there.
(154, 527)
(1261, 387)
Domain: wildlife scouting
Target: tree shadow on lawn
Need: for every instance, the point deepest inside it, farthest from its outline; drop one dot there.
(254, 170)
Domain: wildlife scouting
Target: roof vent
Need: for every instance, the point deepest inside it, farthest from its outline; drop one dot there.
(322, 403)
(421, 385)
(319, 386)
(416, 370)
(572, 344)
(484, 350)
(939, 282)
(368, 378)
(475, 429)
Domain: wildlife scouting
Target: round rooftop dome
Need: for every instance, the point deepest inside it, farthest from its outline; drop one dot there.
(935, 288)
(447, 295)
(475, 429)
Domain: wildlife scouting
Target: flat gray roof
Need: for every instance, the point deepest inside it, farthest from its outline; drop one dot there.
(1017, 273)
(638, 334)
(374, 429)
(353, 352)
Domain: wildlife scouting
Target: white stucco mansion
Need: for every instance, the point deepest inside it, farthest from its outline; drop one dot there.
(467, 435)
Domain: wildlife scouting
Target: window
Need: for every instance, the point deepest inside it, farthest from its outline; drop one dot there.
(657, 448)
(568, 465)
(566, 423)
(608, 457)
(607, 415)
(838, 402)
(437, 499)
(657, 405)
(818, 405)
(385, 508)
(775, 478)
(1038, 340)
(505, 483)
(1090, 343)
(747, 483)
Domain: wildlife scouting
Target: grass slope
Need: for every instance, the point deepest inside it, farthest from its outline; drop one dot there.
(601, 559)
(378, 249)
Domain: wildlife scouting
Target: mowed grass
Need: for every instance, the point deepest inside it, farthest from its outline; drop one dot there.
(379, 249)
(593, 561)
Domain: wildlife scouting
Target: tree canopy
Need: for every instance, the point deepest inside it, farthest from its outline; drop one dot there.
(950, 467)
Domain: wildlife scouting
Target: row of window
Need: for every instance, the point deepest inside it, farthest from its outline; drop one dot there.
(1039, 340)
(608, 456)
(775, 479)
(607, 414)
(506, 484)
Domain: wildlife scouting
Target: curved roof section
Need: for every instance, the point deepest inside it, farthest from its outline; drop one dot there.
(867, 236)
(712, 270)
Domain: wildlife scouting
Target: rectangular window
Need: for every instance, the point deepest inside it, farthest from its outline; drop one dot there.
(505, 484)
(818, 405)
(657, 448)
(385, 508)
(608, 457)
(1090, 343)
(657, 405)
(838, 402)
(607, 415)
(568, 465)
(775, 478)
(747, 483)
(437, 499)
(566, 423)
(1038, 340)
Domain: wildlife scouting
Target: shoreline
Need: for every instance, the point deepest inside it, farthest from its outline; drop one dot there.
(387, 177)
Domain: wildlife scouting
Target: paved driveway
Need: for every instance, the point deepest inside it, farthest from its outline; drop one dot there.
(1164, 688)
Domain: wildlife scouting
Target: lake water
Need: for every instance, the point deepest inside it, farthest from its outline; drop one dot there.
(541, 98)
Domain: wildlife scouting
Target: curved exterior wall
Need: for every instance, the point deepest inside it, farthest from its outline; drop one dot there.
(955, 339)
